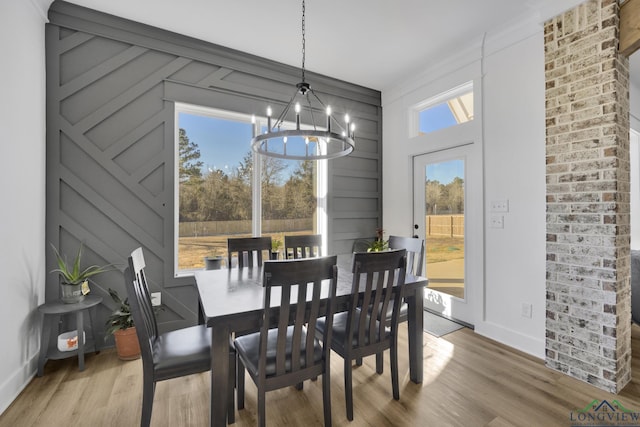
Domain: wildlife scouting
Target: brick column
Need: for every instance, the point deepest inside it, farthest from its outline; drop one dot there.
(588, 233)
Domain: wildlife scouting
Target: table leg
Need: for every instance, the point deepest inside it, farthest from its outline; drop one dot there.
(415, 318)
(44, 339)
(219, 375)
(80, 328)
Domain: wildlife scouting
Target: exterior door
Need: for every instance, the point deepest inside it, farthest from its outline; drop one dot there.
(445, 202)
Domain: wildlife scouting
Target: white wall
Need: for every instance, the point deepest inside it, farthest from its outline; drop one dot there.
(515, 170)
(22, 152)
(511, 130)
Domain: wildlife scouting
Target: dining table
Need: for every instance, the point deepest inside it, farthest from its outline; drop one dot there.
(231, 302)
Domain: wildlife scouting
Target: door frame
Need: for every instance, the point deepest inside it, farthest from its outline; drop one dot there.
(469, 309)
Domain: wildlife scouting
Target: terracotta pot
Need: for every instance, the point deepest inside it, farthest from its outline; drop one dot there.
(127, 344)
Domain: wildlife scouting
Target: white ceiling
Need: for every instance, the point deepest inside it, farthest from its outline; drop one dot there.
(373, 43)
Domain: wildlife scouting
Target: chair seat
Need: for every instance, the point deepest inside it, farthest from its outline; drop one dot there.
(177, 353)
(248, 346)
(340, 330)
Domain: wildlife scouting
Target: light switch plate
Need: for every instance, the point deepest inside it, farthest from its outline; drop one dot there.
(499, 206)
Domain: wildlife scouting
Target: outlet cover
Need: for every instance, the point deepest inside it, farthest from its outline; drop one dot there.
(497, 221)
(156, 298)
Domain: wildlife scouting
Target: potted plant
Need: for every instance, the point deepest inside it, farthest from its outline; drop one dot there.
(74, 284)
(120, 325)
(213, 262)
(379, 244)
(276, 244)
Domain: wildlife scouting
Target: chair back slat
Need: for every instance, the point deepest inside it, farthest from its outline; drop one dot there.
(140, 302)
(415, 252)
(302, 246)
(246, 249)
(288, 286)
(374, 276)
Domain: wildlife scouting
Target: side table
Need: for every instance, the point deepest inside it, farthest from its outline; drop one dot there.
(51, 313)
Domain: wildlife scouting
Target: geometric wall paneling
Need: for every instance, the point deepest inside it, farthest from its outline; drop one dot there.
(111, 88)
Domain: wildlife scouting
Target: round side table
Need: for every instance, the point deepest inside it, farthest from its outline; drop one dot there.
(51, 314)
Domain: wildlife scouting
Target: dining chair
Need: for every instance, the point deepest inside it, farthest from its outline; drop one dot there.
(356, 333)
(246, 249)
(302, 246)
(415, 259)
(171, 354)
(289, 353)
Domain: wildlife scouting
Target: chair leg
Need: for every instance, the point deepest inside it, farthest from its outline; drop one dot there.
(394, 370)
(299, 386)
(359, 361)
(261, 408)
(379, 362)
(348, 390)
(148, 390)
(240, 383)
(231, 407)
(326, 397)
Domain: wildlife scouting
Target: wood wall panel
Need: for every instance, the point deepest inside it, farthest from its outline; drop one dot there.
(111, 89)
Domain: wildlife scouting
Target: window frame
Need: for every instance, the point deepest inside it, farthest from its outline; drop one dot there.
(256, 191)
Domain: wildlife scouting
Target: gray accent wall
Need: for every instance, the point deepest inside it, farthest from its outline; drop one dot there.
(111, 89)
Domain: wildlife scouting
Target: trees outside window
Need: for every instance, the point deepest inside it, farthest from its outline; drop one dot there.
(215, 191)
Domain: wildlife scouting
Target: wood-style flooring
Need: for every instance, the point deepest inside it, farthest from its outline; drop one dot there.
(469, 381)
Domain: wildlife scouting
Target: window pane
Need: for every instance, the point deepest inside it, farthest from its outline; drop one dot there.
(444, 225)
(456, 110)
(215, 166)
(289, 198)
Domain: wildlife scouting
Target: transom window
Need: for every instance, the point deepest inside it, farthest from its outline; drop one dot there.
(225, 190)
(447, 109)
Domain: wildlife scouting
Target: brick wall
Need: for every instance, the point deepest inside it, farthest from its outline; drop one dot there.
(588, 234)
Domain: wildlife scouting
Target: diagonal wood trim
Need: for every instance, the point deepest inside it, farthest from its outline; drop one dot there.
(629, 27)
(131, 94)
(135, 135)
(215, 77)
(103, 205)
(73, 41)
(108, 165)
(100, 71)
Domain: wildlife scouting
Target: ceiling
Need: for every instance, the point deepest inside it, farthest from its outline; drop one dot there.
(373, 43)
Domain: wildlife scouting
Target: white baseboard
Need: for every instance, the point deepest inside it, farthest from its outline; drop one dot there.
(13, 386)
(517, 340)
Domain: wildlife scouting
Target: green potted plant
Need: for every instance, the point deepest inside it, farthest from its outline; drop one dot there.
(379, 244)
(120, 325)
(276, 244)
(74, 283)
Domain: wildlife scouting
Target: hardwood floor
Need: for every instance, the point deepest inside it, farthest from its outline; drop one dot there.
(469, 381)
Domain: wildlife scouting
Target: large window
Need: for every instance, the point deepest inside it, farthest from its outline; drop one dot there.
(226, 190)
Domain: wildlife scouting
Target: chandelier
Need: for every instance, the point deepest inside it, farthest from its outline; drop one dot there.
(305, 143)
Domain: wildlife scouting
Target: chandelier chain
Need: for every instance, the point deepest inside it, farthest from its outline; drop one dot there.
(303, 39)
